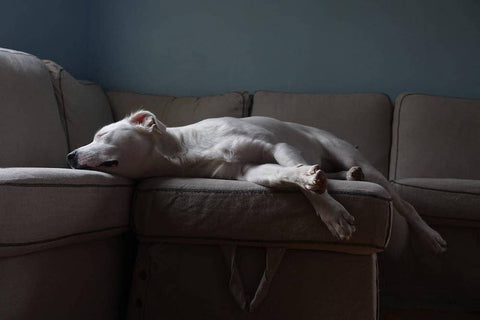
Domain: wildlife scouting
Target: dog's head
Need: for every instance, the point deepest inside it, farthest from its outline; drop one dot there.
(122, 147)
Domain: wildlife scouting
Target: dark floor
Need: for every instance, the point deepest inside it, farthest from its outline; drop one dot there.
(392, 314)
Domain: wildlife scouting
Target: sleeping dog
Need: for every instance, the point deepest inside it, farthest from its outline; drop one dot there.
(261, 150)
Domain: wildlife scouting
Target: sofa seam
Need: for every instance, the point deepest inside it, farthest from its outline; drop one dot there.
(398, 132)
(433, 189)
(167, 238)
(64, 109)
(392, 111)
(450, 218)
(244, 104)
(388, 235)
(379, 93)
(253, 192)
(440, 96)
(60, 185)
(18, 244)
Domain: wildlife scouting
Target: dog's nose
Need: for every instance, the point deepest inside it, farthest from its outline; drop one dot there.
(72, 159)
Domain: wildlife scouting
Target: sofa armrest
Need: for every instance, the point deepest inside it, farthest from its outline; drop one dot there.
(82, 105)
(44, 208)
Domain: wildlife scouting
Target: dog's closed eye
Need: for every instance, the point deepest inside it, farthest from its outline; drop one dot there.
(99, 135)
(109, 163)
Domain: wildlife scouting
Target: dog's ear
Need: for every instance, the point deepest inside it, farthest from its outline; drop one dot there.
(146, 120)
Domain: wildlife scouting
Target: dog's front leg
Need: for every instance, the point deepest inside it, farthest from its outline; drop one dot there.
(333, 214)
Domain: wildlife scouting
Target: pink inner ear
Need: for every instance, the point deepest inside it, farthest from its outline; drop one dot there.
(139, 117)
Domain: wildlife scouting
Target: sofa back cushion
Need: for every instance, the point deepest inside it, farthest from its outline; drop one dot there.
(174, 111)
(31, 133)
(363, 119)
(83, 106)
(435, 137)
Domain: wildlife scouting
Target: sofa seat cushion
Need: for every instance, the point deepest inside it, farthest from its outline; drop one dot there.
(43, 207)
(226, 211)
(453, 202)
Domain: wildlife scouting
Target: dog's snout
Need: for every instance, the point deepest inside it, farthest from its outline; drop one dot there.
(72, 159)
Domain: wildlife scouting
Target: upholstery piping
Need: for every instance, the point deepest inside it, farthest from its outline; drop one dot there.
(61, 185)
(17, 244)
(433, 189)
(278, 242)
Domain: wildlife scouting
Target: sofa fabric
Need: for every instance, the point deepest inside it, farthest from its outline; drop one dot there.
(175, 111)
(76, 282)
(435, 137)
(434, 166)
(30, 128)
(418, 279)
(450, 202)
(362, 119)
(225, 211)
(83, 105)
(176, 282)
(47, 207)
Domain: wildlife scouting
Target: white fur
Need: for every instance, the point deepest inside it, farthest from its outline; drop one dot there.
(258, 149)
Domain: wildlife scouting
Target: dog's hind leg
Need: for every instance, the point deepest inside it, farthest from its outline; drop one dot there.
(355, 173)
(277, 176)
(287, 155)
(347, 156)
(431, 237)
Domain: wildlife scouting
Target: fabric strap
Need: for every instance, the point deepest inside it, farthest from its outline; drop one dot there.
(273, 257)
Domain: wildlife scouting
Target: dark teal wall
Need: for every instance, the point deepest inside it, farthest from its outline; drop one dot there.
(51, 29)
(190, 47)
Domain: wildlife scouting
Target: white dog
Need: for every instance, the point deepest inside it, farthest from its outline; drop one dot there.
(262, 150)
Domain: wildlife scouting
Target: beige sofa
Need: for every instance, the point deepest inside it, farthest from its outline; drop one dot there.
(206, 249)
(435, 166)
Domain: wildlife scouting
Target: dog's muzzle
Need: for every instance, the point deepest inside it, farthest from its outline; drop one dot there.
(72, 160)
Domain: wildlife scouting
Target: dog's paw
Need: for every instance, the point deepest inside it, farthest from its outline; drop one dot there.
(313, 179)
(355, 174)
(432, 239)
(341, 225)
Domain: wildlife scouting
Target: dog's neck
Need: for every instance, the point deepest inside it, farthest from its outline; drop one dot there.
(169, 143)
(167, 157)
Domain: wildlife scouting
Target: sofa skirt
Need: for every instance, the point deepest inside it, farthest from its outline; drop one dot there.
(226, 281)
